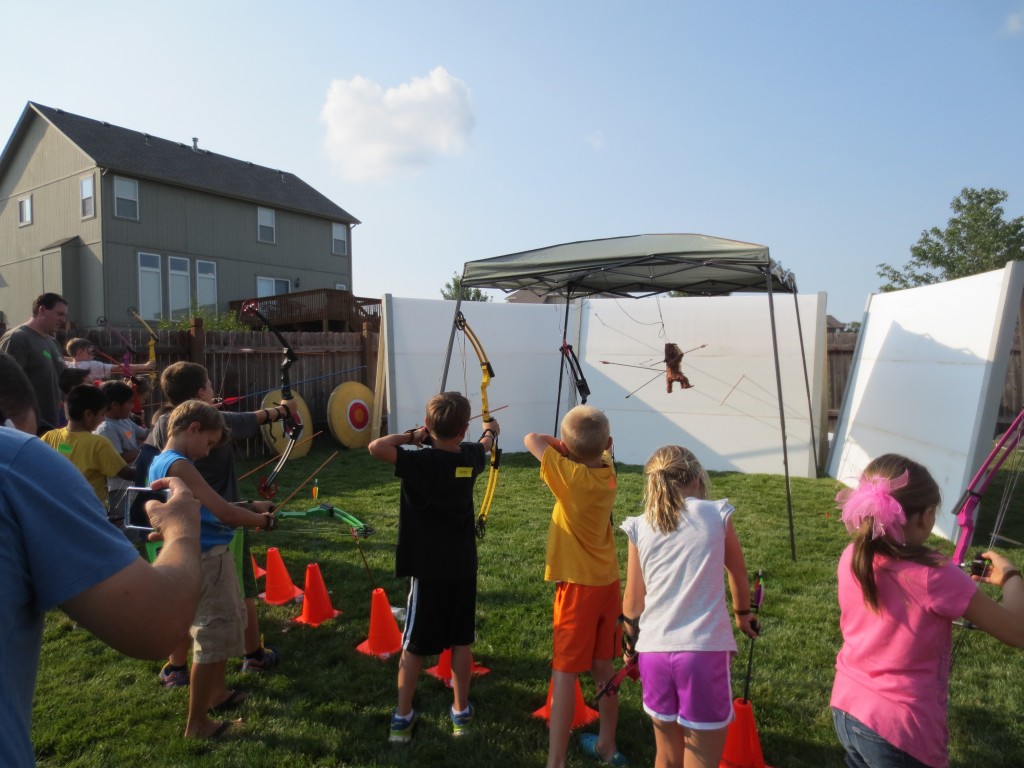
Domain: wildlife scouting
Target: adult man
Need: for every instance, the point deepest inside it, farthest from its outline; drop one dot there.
(59, 550)
(32, 345)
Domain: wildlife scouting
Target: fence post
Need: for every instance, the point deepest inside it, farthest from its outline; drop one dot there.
(367, 352)
(197, 341)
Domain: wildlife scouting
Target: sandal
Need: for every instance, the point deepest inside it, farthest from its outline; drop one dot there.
(588, 743)
(234, 700)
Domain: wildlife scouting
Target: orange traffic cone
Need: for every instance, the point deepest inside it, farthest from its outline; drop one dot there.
(443, 670)
(280, 589)
(384, 639)
(316, 607)
(257, 572)
(581, 715)
(742, 745)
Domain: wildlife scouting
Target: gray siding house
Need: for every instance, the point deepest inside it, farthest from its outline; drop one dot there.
(111, 218)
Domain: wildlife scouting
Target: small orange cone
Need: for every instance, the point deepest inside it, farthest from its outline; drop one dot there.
(257, 572)
(443, 670)
(385, 638)
(582, 714)
(280, 589)
(316, 607)
(742, 745)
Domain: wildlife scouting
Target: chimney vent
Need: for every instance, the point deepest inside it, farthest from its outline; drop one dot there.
(195, 144)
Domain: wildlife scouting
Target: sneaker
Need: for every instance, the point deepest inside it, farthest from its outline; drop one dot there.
(174, 678)
(266, 659)
(461, 724)
(401, 728)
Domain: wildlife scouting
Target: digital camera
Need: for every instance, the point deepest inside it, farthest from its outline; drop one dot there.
(135, 504)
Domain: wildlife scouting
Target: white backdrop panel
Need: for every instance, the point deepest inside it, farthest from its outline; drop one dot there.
(927, 380)
(521, 340)
(730, 418)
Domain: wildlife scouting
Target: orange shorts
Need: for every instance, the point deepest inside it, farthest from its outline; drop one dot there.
(586, 622)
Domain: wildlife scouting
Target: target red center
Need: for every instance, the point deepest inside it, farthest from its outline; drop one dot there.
(358, 415)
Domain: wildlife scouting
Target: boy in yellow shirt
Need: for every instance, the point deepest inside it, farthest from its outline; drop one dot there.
(581, 560)
(94, 455)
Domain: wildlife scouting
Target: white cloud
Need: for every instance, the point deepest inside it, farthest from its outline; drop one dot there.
(1014, 24)
(373, 133)
(595, 139)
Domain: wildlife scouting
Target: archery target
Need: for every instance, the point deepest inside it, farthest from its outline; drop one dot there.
(349, 413)
(273, 434)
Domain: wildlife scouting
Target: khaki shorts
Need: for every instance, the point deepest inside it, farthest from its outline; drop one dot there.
(218, 630)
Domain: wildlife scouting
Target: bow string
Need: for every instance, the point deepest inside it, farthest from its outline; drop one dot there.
(486, 374)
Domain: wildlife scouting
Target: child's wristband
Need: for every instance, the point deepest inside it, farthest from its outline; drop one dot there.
(741, 613)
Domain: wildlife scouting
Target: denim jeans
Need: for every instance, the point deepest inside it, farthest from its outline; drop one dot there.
(865, 748)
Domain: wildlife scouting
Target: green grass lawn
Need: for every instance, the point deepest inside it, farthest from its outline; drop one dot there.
(328, 705)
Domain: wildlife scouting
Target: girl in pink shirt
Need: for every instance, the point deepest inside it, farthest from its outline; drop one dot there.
(898, 600)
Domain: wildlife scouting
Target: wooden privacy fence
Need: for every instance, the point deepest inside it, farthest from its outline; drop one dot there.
(247, 364)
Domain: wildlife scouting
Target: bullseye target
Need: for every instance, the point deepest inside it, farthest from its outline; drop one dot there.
(349, 413)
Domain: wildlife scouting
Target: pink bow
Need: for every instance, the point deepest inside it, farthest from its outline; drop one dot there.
(872, 498)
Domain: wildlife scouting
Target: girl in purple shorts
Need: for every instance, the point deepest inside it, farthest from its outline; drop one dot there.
(675, 612)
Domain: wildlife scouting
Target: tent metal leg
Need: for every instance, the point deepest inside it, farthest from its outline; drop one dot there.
(782, 417)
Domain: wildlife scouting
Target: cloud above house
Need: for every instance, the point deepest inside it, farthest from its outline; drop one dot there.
(378, 133)
(1014, 24)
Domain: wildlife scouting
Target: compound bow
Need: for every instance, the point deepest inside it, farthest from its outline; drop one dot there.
(487, 373)
(292, 423)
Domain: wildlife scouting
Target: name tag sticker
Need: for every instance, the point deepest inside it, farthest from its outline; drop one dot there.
(65, 448)
(463, 471)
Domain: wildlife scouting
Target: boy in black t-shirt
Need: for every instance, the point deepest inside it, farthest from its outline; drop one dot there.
(437, 549)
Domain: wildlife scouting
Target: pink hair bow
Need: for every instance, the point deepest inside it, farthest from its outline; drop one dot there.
(872, 498)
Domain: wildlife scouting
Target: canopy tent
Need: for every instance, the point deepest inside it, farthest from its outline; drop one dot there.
(645, 265)
(640, 265)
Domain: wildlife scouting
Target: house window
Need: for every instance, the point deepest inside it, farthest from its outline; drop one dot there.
(266, 228)
(126, 198)
(340, 287)
(86, 185)
(25, 211)
(206, 284)
(339, 239)
(272, 286)
(150, 286)
(178, 287)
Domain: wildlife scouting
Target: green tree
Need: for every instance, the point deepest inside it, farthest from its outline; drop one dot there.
(977, 238)
(452, 287)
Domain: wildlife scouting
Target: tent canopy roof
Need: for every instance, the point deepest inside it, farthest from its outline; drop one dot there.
(637, 264)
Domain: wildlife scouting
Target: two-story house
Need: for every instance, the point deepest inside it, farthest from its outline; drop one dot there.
(111, 218)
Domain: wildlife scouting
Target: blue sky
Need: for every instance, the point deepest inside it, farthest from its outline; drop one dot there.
(833, 132)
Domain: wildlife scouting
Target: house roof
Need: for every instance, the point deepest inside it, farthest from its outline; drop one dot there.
(145, 156)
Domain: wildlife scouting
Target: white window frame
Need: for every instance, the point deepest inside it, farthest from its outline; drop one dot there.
(90, 198)
(275, 280)
(262, 215)
(151, 271)
(340, 287)
(24, 211)
(118, 196)
(337, 229)
(174, 275)
(202, 279)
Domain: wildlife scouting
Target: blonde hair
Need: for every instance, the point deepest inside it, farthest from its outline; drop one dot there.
(196, 411)
(585, 431)
(668, 472)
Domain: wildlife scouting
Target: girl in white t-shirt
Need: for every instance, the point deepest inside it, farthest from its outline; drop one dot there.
(898, 600)
(675, 612)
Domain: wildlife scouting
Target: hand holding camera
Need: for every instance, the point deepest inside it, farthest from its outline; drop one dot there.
(167, 509)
